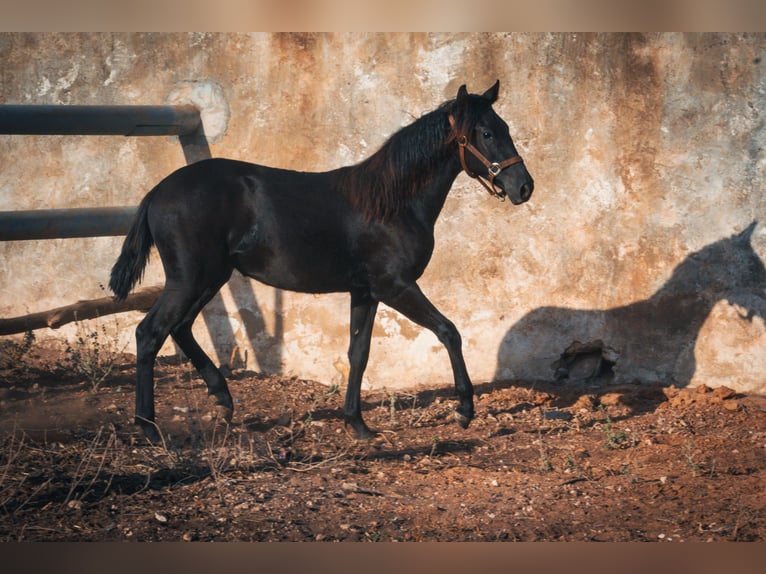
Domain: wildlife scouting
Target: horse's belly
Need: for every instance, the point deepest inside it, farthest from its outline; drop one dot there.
(302, 274)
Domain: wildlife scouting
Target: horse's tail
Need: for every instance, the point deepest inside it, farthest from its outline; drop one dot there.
(129, 267)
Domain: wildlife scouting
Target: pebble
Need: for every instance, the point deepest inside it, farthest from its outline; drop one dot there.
(724, 392)
(557, 415)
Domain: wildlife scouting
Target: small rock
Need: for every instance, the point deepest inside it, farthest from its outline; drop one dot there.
(724, 392)
(557, 415)
(581, 452)
(682, 399)
(732, 405)
(585, 402)
(703, 388)
(161, 518)
(611, 399)
(283, 420)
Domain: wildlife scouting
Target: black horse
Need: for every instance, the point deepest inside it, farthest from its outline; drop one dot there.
(366, 229)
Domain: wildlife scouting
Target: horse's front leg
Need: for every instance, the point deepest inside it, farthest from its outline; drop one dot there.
(363, 309)
(413, 304)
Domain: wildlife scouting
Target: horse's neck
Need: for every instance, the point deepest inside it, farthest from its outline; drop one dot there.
(427, 204)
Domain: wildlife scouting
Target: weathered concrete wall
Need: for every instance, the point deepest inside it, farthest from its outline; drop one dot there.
(647, 152)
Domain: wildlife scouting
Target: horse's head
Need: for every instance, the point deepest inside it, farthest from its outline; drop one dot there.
(485, 146)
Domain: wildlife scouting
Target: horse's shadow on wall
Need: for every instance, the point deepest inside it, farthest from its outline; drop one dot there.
(650, 341)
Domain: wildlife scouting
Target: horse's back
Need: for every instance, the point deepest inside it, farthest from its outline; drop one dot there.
(285, 228)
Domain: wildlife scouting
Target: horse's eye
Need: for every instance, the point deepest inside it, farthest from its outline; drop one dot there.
(487, 135)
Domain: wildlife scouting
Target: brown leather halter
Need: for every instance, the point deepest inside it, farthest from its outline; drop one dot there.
(493, 168)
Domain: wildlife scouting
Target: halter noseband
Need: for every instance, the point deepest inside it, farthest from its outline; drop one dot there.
(493, 168)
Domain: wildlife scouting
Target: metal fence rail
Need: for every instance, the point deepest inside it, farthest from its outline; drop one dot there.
(181, 121)
(99, 120)
(65, 223)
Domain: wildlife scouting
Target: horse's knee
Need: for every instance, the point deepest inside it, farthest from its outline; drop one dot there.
(449, 336)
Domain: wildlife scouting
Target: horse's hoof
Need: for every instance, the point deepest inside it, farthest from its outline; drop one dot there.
(362, 431)
(223, 413)
(151, 432)
(365, 434)
(462, 420)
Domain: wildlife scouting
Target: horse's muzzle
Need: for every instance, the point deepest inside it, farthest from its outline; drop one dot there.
(523, 194)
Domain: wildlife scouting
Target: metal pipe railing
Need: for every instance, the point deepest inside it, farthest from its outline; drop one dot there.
(65, 223)
(98, 120)
(181, 120)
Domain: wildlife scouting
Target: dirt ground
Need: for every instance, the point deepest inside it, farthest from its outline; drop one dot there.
(574, 461)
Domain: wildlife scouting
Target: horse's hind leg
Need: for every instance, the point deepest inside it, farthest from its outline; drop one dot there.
(174, 312)
(214, 379)
(151, 333)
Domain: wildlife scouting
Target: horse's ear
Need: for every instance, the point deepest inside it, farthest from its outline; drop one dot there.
(462, 93)
(491, 94)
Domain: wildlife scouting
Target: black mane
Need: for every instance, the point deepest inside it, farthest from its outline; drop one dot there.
(381, 185)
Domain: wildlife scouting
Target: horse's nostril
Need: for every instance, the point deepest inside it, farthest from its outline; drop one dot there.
(526, 191)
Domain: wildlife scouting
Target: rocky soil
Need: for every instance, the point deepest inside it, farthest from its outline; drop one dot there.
(574, 461)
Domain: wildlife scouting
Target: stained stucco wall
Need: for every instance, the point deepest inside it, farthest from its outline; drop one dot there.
(647, 152)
